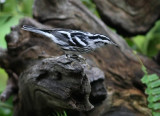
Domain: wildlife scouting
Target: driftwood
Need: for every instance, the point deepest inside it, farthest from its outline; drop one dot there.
(129, 17)
(48, 82)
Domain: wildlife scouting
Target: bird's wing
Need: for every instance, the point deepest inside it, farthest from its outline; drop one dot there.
(75, 38)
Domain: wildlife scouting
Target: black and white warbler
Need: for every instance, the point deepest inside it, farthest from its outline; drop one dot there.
(73, 42)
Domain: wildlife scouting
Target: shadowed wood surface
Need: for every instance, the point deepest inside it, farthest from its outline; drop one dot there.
(45, 83)
(72, 14)
(53, 84)
(122, 70)
(129, 17)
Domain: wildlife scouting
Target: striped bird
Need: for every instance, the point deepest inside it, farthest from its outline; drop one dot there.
(73, 42)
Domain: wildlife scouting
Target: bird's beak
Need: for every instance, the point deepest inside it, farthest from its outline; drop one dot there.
(116, 45)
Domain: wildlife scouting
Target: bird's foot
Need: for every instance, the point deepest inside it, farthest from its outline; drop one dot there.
(79, 58)
(74, 56)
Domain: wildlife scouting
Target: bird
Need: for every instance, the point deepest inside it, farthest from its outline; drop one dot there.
(73, 42)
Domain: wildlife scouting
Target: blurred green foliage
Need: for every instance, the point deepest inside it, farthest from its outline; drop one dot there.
(6, 109)
(10, 13)
(148, 44)
(91, 6)
(58, 114)
(3, 79)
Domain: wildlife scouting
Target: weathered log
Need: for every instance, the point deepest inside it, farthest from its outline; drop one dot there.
(12, 85)
(122, 69)
(129, 17)
(30, 47)
(54, 84)
(67, 81)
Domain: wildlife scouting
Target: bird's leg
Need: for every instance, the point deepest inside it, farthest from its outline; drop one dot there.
(67, 56)
(80, 57)
(83, 60)
(74, 56)
(71, 56)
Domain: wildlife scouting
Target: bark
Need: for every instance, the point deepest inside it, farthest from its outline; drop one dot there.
(54, 84)
(48, 84)
(129, 17)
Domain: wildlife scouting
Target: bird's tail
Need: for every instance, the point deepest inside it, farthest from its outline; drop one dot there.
(31, 29)
(43, 32)
(28, 26)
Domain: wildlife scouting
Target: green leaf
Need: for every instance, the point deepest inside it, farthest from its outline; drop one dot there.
(5, 112)
(154, 98)
(91, 6)
(144, 69)
(4, 18)
(6, 109)
(153, 77)
(5, 28)
(153, 45)
(156, 113)
(4, 105)
(145, 79)
(58, 114)
(148, 44)
(153, 91)
(64, 112)
(154, 84)
(3, 79)
(131, 43)
(139, 42)
(10, 6)
(27, 7)
(154, 106)
(152, 40)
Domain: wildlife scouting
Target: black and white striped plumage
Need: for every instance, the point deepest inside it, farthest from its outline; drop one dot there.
(73, 41)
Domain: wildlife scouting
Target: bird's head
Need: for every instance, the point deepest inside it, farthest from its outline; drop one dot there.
(103, 40)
